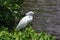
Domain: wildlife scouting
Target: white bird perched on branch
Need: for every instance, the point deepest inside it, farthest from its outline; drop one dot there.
(25, 20)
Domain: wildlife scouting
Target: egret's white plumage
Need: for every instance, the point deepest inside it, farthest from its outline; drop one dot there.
(25, 20)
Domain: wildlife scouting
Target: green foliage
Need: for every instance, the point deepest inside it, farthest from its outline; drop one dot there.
(9, 10)
(27, 34)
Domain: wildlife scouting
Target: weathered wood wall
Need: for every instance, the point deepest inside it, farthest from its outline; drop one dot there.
(47, 16)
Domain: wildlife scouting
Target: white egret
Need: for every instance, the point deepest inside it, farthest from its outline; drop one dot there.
(25, 20)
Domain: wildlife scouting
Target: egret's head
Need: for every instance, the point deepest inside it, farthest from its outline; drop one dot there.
(30, 13)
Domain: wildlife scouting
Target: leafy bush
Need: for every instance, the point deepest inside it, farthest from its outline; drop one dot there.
(9, 10)
(27, 34)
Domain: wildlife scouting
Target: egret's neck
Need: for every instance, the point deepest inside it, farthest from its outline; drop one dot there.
(29, 15)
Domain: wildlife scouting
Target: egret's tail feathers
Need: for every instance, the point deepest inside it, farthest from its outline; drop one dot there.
(17, 28)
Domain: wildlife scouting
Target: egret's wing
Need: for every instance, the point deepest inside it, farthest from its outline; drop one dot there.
(22, 23)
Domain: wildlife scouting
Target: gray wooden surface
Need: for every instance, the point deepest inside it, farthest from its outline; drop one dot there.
(47, 16)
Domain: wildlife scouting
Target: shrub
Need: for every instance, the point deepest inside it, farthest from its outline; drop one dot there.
(27, 34)
(9, 10)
